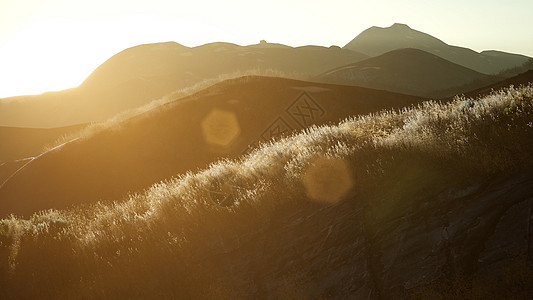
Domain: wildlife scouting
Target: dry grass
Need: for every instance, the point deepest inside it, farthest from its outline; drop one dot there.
(153, 243)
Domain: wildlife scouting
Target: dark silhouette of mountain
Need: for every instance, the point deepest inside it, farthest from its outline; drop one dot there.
(377, 40)
(172, 139)
(521, 79)
(140, 74)
(409, 71)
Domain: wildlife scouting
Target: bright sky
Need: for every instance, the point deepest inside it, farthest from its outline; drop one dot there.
(55, 44)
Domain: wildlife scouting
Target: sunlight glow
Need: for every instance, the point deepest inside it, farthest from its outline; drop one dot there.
(56, 44)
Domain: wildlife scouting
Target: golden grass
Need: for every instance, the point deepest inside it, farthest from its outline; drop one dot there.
(152, 243)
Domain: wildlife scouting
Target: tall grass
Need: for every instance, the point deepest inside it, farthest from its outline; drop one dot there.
(154, 243)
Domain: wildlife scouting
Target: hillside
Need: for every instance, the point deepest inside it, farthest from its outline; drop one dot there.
(190, 133)
(520, 79)
(140, 74)
(20, 143)
(377, 40)
(432, 202)
(409, 71)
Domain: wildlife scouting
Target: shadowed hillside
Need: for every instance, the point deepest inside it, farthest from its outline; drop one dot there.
(521, 79)
(377, 40)
(221, 121)
(140, 74)
(409, 71)
(528, 65)
(382, 206)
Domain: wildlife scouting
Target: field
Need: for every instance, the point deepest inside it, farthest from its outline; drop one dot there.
(198, 234)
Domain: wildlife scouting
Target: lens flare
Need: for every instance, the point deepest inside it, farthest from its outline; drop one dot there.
(220, 128)
(328, 180)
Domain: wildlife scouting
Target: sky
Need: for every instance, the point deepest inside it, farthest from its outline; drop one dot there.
(48, 45)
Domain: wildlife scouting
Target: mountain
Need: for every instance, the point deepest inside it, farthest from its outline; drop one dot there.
(190, 133)
(377, 40)
(409, 71)
(431, 202)
(140, 74)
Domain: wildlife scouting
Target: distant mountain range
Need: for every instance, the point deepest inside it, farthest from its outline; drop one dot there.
(409, 71)
(377, 40)
(141, 74)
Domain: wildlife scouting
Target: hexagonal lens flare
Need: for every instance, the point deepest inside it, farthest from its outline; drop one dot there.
(220, 128)
(328, 180)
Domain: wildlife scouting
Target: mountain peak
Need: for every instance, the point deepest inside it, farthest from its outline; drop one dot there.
(396, 26)
(400, 25)
(379, 40)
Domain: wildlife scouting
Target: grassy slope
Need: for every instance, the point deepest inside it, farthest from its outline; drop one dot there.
(134, 154)
(152, 244)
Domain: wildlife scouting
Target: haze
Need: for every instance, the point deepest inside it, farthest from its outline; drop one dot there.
(55, 44)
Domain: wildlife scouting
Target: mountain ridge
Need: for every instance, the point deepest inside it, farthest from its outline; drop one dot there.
(379, 40)
(138, 75)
